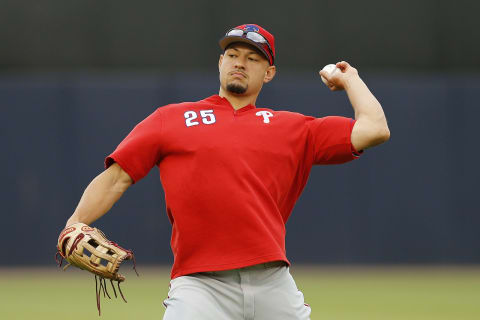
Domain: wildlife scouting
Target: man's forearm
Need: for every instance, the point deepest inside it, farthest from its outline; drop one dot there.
(371, 128)
(363, 101)
(100, 195)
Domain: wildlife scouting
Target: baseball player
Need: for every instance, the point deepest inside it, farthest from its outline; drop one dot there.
(232, 172)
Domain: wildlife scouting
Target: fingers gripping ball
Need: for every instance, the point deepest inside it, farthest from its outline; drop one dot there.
(89, 249)
(331, 69)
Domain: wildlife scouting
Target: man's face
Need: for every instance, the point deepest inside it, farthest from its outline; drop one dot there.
(243, 69)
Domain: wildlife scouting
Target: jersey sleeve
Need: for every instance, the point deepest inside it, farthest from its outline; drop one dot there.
(331, 139)
(141, 149)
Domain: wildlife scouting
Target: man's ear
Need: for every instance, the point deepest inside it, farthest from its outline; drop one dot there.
(269, 74)
(220, 62)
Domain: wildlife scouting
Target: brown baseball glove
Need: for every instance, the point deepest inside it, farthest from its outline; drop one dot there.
(89, 249)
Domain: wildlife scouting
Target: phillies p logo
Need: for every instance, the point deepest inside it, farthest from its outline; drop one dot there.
(251, 28)
(266, 115)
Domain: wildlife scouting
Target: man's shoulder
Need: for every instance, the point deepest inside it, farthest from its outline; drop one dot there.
(182, 105)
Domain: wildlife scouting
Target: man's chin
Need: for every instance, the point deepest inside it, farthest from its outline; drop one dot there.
(236, 88)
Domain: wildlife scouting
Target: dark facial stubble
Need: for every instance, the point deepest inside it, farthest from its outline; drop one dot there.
(236, 88)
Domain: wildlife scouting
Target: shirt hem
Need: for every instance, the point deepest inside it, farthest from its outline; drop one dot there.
(111, 159)
(229, 266)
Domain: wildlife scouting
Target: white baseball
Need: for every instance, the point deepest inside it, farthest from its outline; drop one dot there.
(331, 69)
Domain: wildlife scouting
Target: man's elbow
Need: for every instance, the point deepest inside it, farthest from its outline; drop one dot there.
(366, 134)
(383, 134)
(378, 136)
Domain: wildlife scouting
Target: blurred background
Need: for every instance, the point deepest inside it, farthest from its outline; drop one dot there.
(77, 76)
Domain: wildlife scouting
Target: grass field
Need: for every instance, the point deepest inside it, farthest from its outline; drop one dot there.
(383, 293)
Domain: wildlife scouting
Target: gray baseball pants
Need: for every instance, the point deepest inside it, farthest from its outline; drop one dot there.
(265, 291)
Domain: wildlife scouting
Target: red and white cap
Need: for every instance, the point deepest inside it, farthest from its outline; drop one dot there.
(252, 34)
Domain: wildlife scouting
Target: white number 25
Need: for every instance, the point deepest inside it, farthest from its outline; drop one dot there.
(207, 117)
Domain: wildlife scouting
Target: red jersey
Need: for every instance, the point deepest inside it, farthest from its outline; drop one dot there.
(231, 177)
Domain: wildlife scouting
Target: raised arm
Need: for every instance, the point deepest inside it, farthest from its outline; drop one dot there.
(101, 194)
(371, 127)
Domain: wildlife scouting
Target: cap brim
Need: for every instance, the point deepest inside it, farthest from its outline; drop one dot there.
(226, 41)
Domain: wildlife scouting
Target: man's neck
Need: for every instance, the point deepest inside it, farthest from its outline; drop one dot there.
(238, 101)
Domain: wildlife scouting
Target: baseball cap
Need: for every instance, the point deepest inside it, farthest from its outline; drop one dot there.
(252, 34)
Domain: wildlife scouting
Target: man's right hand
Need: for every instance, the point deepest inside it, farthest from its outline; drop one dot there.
(339, 80)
